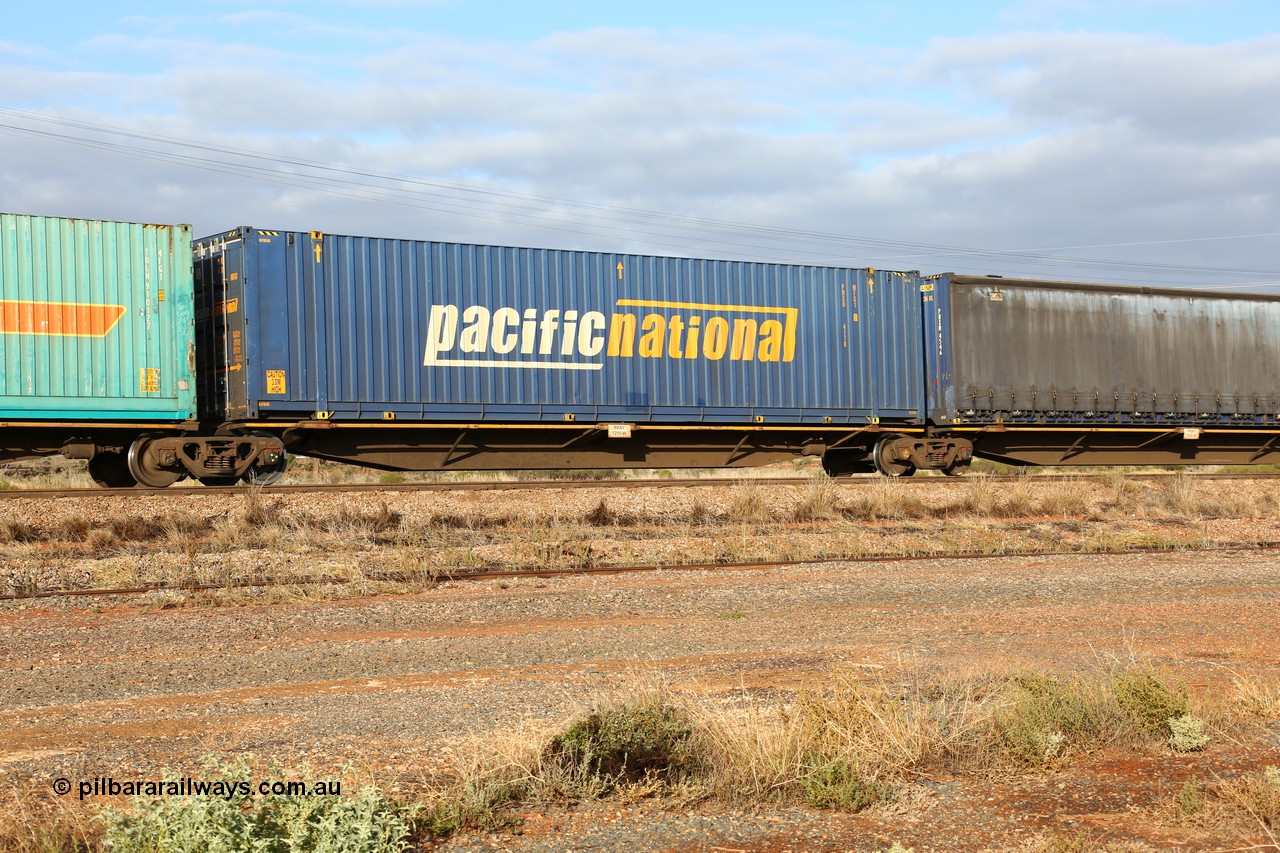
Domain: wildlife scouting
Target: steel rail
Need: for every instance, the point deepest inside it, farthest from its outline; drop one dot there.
(638, 483)
(443, 576)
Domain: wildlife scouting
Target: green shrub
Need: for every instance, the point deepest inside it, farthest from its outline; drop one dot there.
(1149, 702)
(1190, 800)
(626, 744)
(1047, 717)
(441, 820)
(479, 803)
(836, 785)
(392, 478)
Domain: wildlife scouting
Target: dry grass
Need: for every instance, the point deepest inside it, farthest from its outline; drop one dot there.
(633, 743)
(1247, 803)
(886, 500)
(33, 822)
(1255, 795)
(260, 536)
(58, 473)
(1255, 699)
(855, 743)
(1069, 840)
(820, 502)
(853, 732)
(601, 515)
(750, 505)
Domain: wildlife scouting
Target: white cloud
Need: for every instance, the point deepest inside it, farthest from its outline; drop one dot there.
(1035, 139)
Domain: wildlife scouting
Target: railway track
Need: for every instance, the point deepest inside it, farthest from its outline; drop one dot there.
(526, 485)
(439, 576)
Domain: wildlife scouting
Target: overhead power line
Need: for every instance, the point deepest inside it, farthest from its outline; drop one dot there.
(592, 219)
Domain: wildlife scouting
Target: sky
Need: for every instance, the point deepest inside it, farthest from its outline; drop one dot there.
(1130, 141)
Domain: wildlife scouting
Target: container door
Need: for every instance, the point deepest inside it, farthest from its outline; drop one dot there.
(935, 311)
(221, 308)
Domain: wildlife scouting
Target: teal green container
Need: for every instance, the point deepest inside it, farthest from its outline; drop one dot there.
(96, 321)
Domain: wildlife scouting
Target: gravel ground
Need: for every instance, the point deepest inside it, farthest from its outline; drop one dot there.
(392, 683)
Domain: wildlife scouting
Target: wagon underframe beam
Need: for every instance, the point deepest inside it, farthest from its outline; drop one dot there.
(1127, 447)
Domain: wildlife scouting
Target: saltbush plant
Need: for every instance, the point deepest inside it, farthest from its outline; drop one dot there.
(1186, 734)
(367, 822)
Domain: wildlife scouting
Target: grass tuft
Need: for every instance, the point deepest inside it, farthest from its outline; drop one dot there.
(749, 505)
(257, 513)
(1256, 795)
(32, 822)
(601, 515)
(819, 502)
(18, 531)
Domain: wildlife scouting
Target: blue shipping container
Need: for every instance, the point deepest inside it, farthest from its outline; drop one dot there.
(96, 320)
(356, 328)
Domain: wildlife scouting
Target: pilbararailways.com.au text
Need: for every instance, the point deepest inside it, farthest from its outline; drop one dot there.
(229, 789)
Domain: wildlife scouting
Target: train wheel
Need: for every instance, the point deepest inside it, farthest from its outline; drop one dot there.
(111, 471)
(956, 470)
(269, 472)
(146, 467)
(886, 463)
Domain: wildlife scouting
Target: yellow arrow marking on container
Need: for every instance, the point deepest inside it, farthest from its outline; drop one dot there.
(619, 270)
(62, 319)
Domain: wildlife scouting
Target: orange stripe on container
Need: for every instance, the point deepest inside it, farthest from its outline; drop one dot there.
(74, 319)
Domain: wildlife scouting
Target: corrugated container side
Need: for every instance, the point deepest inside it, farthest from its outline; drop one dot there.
(96, 320)
(368, 328)
(1049, 352)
